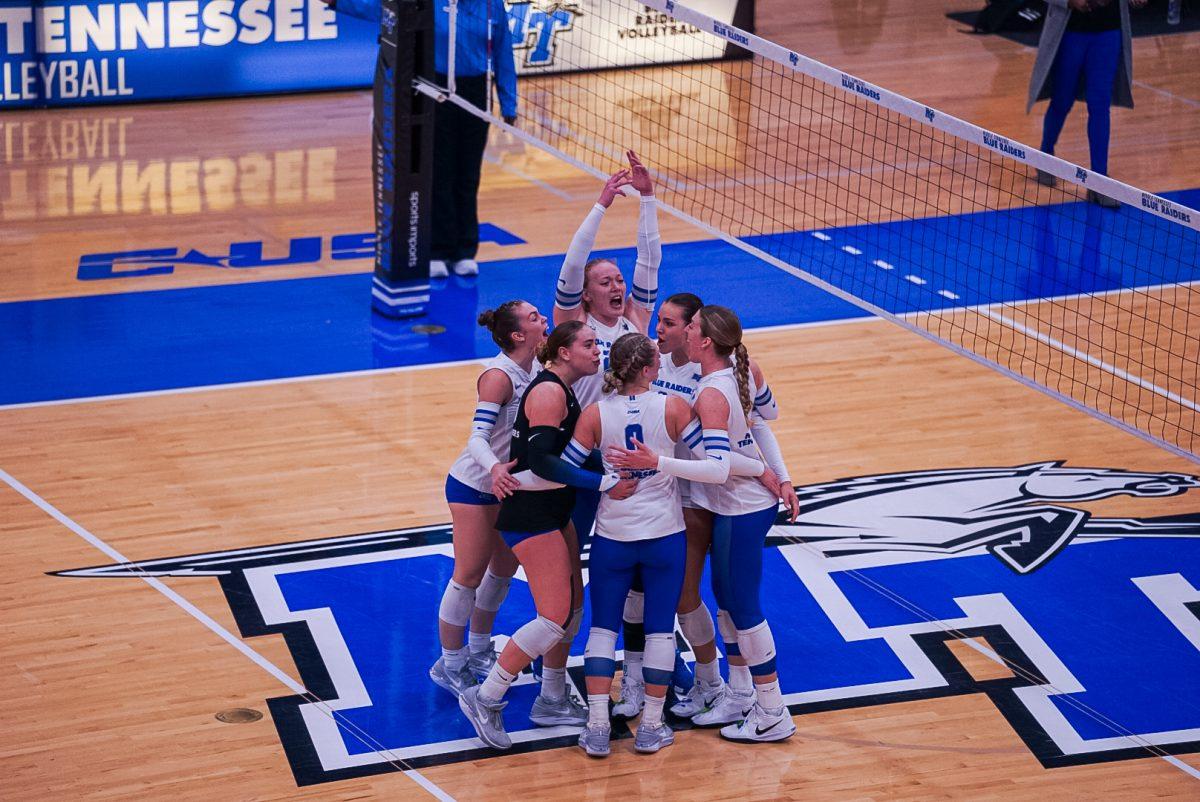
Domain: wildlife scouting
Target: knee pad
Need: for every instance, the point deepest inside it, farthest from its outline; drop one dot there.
(573, 624)
(600, 654)
(758, 647)
(538, 636)
(457, 603)
(697, 626)
(635, 607)
(729, 632)
(492, 591)
(659, 663)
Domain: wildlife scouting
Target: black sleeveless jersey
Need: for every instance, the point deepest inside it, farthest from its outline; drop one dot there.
(539, 510)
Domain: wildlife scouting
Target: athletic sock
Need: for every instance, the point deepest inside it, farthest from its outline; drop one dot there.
(653, 711)
(597, 709)
(480, 642)
(769, 697)
(554, 682)
(455, 659)
(496, 684)
(708, 673)
(740, 680)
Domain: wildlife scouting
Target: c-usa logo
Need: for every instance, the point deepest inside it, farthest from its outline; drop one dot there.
(1081, 174)
(1096, 618)
(794, 58)
(930, 114)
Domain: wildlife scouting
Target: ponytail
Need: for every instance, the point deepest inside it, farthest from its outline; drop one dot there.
(722, 326)
(741, 369)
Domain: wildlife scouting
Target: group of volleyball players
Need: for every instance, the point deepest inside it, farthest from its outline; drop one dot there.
(667, 453)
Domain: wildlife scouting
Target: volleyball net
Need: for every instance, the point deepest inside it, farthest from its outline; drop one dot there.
(909, 213)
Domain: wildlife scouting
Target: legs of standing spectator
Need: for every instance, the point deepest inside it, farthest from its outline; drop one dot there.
(1103, 60)
(1064, 78)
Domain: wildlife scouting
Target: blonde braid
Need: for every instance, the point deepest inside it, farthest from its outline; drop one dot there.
(629, 354)
(742, 372)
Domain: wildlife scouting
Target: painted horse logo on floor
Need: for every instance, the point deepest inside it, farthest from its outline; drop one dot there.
(1016, 514)
(1106, 633)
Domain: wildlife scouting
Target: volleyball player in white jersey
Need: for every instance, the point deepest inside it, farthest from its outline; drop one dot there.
(535, 522)
(593, 291)
(743, 511)
(483, 563)
(708, 695)
(642, 534)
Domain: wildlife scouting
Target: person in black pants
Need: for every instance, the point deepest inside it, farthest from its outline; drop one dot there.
(460, 137)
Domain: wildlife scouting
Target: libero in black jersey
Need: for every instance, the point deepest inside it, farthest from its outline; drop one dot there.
(536, 511)
(534, 522)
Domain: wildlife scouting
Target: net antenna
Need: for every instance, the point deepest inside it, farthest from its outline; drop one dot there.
(912, 214)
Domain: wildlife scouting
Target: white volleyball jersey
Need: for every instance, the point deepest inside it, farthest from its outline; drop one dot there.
(465, 469)
(588, 389)
(655, 509)
(679, 381)
(739, 494)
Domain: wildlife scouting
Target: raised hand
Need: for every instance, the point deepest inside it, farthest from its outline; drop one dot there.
(503, 482)
(612, 187)
(639, 175)
(641, 457)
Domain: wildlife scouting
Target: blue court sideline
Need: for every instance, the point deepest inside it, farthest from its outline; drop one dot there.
(167, 339)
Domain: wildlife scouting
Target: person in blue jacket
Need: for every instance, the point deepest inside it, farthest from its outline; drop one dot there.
(460, 137)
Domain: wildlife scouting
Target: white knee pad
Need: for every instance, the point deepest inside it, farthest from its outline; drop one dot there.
(602, 644)
(729, 632)
(572, 627)
(635, 604)
(492, 591)
(659, 662)
(457, 603)
(697, 626)
(538, 636)
(757, 645)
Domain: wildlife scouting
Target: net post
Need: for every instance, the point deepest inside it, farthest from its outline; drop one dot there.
(402, 159)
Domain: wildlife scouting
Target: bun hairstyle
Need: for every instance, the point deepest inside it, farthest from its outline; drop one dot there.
(722, 326)
(690, 304)
(563, 335)
(503, 322)
(630, 353)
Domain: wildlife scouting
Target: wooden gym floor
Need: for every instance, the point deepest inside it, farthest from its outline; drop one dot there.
(110, 688)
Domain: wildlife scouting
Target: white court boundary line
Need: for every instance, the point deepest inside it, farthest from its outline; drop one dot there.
(213, 626)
